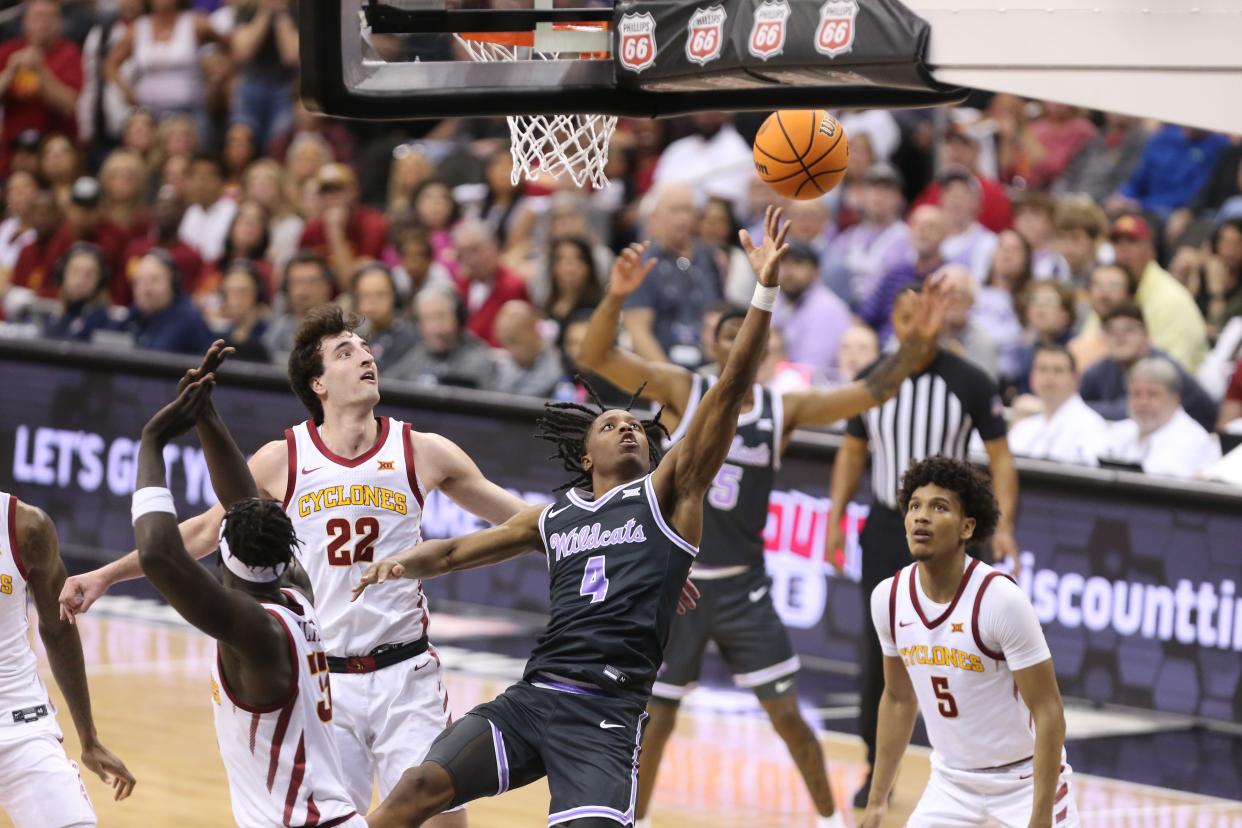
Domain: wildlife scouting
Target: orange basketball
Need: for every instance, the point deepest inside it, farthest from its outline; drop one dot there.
(801, 153)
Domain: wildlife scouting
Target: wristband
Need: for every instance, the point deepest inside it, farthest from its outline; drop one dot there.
(765, 297)
(152, 499)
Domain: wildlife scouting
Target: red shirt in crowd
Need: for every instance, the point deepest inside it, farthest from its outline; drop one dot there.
(1234, 393)
(24, 104)
(366, 230)
(186, 259)
(995, 211)
(35, 267)
(482, 318)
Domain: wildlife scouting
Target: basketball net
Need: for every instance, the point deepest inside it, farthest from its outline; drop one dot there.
(555, 145)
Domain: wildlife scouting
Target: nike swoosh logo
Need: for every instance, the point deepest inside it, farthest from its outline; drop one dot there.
(1028, 776)
(309, 471)
(604, 724)
(554, 512)
(904, 623)
(756, 594)
(782, 686)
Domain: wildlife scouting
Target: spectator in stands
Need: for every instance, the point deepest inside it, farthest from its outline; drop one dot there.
(209, 215)
(1214, 275)
(960, 334)
(40, 77)
(1230, 416)
(713, 160)
(437, 213)
(928, 230)
(376, 298)
(264, 182)
(248, 240)
(1033, 218)
(1107, 160)
(482, 279)
(60, 164)
(174, 173)
(859, 348)
(417, 267)
(1065, 429)
(1048, 311)
(447, 353)
(166, 216)
(969, 243)
(1081, 230)
(718, 229)
(879, 126)
(1104, 384)
(499, 209)
(15, 231)
(574, 280)
(308, 154)
(1061, 134)
(86, 220)
(810, 317)
(238, 152)
(960, 151)
(334, 136)
(308, 283)
(124, 201)
(264, 46)
(37, 259)
(411, 166)
(810, 222)
(243, 308)
(1159, 435)
(138, 135)
(161, 318)
(527, 365)
(662, 316)
(995, 306)
(878, 243)
(82, 276)
(1173, 169)
(345, 233)
(102, 109)
(1110, 286)
(24, 152)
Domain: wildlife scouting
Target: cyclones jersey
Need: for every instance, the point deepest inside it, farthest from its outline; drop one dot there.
(349, 513)
(282, 762)
(962, 677)
(24, 704)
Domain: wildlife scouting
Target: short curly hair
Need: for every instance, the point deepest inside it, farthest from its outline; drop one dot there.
(259, 532)
(973, 487)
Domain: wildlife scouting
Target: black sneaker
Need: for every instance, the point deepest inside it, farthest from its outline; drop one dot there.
(863, 794)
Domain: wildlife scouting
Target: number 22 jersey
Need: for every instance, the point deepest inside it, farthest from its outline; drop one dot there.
(616, 569)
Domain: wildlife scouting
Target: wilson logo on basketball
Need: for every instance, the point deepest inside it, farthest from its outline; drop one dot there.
(828, 126)
(637, 47)
(835, 35)
(767, 34)
(705, 39)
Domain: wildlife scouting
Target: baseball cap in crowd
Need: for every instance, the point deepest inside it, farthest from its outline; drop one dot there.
(85, 192)
(27, 140)
(802, 252)
(956, 174)
(882, 173)
(335, 177)
(1130, 227)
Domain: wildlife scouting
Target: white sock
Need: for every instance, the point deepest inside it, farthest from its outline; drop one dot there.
(645, 822)
(834, 821)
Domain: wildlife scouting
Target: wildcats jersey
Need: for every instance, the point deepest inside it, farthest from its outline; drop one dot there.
(24, 705)
(282, 762)
(736, 510)
(348, 514)
(616, 571)
(970, 703)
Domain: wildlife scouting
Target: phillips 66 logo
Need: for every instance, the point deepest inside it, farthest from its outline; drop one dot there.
(835, 35)
(705, 37)
(638, 45)
(767, 35)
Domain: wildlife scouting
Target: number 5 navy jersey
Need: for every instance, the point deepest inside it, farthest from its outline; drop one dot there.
(616, 571)
(736, 510)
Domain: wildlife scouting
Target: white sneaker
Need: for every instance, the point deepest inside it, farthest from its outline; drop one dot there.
(834, 821)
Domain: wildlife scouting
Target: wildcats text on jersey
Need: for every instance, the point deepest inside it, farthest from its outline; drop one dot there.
(585, 538)
(331, 497)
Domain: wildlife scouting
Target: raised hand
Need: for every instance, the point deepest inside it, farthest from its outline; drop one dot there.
(108, 766)
(629, 270)
(212, 360)
(929, 307)
(377, 573)
(766, 257)
(180, 415)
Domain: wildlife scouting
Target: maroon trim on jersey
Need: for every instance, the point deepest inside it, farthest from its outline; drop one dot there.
(974, 618)
(892, 607)
(255, 718)
(409, 468)
(422, 605)
(961, 587)
(17, 550)
(294, 666)
(295, 779)
(291, 440)
(312, 810)
(332, 823)
(278, 740)
(1062, 791)
(344, 461)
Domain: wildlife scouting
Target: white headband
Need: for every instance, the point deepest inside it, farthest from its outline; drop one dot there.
(253, 574)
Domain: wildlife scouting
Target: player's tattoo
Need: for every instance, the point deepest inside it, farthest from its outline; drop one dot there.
(884, 381)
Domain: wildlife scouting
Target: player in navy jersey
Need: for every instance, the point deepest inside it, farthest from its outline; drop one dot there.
(618, 550)
(735, 608)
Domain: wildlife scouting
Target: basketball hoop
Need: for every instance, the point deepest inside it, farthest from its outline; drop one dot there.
(555, 145)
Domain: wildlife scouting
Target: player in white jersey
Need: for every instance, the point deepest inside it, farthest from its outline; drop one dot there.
(963, 646)
(271, 694)
(39, 785)
(354, 485)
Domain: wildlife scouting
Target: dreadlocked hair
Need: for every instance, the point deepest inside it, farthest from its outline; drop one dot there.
(259, 532)
(567, 425)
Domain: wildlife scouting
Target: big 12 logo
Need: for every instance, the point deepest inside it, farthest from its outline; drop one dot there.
(637, 44)
(705, 37)
(767, 34)
(835, 34)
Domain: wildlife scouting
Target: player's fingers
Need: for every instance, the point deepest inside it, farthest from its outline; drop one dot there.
(648, 266)
(743, 236)
(398, 570)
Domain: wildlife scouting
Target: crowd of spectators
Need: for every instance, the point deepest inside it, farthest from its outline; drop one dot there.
(163, 186)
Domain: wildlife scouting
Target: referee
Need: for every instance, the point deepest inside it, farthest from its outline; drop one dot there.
(933, 413)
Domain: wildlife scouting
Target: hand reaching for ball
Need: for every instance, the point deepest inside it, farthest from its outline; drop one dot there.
(766, 257)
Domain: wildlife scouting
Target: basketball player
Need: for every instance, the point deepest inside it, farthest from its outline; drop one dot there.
(618, 551)
(353, 484)
(735, 608)
(41, 787)
(271, 698)
(963, 646)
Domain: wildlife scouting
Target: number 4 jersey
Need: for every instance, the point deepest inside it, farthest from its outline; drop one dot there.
(616, 570)
(961, 658)
(349, 513)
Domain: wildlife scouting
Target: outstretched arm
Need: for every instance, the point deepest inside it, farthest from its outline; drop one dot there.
(1038, 688)
(39, 550)
(516, 536)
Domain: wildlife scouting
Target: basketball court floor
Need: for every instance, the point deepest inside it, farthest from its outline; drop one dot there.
(724, 768)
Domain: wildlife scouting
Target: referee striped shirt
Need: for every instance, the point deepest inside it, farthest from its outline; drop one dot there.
(933, 413)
